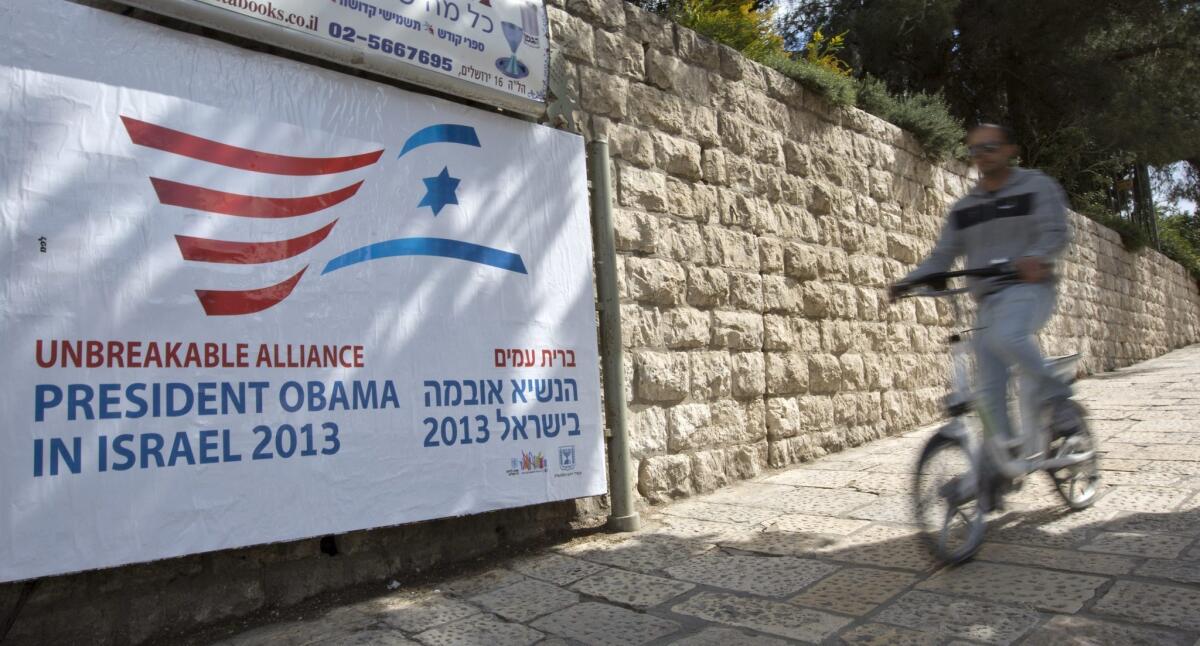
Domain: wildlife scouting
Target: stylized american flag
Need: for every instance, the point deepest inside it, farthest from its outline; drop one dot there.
(200, 198)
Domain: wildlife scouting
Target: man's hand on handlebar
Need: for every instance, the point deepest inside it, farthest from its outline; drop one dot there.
(1032, 269)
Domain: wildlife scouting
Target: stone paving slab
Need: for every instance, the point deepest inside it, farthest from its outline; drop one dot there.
(598, 624)
(764, 576)
(854, 590)
(526, 600)
(1173, 606)
(776, 618)
(951, 616)
(728, 637)
(1020, 586)
(631, 588)
(826, 552)
(480, 629)
(1066, 630)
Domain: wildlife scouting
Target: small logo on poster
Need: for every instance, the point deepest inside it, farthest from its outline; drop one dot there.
(532, 462)
(566, 458)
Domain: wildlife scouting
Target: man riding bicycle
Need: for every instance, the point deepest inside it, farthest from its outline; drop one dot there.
(1014, 216)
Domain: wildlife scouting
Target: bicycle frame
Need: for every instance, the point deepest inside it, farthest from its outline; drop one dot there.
(962, 399)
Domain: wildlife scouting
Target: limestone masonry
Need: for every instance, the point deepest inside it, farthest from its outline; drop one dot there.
(758, 227)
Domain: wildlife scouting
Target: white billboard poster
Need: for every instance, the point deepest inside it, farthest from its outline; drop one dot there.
(244, 300)
(492, 50)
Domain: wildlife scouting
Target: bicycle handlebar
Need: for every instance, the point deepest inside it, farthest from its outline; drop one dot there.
(936, 282)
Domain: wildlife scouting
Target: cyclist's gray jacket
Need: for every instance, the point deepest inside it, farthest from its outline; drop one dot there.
(1026, 217)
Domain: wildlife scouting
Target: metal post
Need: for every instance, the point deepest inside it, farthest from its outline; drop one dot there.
(624, 516)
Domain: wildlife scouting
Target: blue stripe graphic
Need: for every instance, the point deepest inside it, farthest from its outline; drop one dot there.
(439, 247)
(448, 133)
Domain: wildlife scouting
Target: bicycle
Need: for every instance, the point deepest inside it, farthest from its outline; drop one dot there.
(963, 473)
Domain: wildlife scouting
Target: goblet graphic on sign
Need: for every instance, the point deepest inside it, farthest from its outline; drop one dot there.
(510, 65)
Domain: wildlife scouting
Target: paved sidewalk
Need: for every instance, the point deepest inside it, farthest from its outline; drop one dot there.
(824, 553)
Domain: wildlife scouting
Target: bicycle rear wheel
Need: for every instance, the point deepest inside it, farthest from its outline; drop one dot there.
(1077, 484)
(946, 495)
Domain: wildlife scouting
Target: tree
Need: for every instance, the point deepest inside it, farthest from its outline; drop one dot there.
(1096, 90)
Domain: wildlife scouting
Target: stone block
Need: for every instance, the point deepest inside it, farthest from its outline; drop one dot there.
(787, 373)
(706, 203)
(707, 287)
(689, 427)
(712, 375)
(867, 270)
(679, 198)
(699, 50)
(732, 249)
(783, 418)
(642, 189)
(678, 157)
(713, 166)
(633, 145)
(653, 280)
(734, 66)
(818, 300)
(824, 374)
(660, 110)
(603, 93)
(599, 12)
(738, 330)
(801, 261)
(709, 470)
(571, 35)
(770, 256)
(634, 231)
(686, 328)
(662, 69)
(782, 295)
(647, 431)
(746, 291)
(619, 54)
(679, 240)
(656, 31)
(661, 376)
(665, 477)
(748, 374)
(853, 372)
(640, 327)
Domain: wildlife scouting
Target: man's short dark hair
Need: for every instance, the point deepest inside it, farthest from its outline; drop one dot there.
(1009, 136)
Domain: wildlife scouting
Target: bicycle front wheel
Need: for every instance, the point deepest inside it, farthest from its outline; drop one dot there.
(946, 495)
(1077, 484)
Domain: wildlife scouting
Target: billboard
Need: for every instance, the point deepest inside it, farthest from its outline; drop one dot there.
(245, 300)
(495, 51)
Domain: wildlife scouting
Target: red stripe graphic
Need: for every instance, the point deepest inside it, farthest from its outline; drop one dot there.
(231, 303)
(181, 143)
(249, 253)
(249, 206)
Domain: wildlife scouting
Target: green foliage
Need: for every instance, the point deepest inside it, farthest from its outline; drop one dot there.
(823, 51)
(734, 22)
(1089, 90)
(924, 115)
(837, 88)
(1179, 239)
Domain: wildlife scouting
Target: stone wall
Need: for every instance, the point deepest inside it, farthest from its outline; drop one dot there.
(757, 228)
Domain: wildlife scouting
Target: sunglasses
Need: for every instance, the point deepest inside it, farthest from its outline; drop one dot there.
(979, 149)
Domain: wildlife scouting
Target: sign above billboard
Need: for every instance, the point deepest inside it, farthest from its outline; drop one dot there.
(492, 51)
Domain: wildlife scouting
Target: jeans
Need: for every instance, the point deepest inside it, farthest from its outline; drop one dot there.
(1010, 320)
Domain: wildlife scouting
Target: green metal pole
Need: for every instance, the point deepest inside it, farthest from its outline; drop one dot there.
(624, 516)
